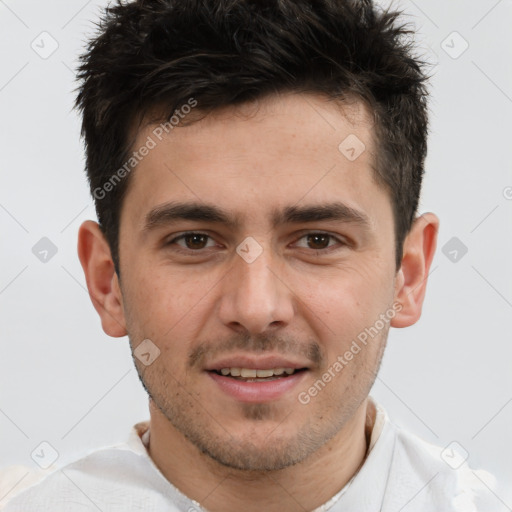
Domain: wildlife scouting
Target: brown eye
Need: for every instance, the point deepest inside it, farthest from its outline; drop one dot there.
(318, 241)
(195, 241)
(192, 241)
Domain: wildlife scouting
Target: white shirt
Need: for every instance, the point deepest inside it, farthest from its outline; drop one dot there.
(401, 473)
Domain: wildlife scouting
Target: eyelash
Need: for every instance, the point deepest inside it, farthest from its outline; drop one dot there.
(199, 251)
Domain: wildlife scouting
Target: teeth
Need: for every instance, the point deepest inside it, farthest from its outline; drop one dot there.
(264, 373)
(250, 373)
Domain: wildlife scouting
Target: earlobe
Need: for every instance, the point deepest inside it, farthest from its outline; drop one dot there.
(411, 280)
(102, 281)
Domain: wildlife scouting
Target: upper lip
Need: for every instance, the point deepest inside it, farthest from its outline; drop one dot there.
(255, 363)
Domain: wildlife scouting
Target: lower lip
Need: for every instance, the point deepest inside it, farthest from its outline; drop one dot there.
(253, 392)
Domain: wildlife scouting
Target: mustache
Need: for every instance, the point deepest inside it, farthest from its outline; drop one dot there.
(283, 345)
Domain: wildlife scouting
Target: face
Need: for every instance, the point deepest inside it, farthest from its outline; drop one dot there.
(253, 254)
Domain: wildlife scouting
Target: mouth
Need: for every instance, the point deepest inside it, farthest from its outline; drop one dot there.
(257, 380)
(258, 374)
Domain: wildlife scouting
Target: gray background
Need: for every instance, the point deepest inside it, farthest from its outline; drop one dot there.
(448, 378)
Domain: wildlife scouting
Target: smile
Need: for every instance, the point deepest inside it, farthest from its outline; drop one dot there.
(255, 375)
(252, 385)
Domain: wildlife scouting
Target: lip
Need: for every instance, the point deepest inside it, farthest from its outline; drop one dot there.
(256, 363)
(257, 392)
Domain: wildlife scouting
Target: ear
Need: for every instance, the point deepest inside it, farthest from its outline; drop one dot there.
(411, 279)
(102, 280)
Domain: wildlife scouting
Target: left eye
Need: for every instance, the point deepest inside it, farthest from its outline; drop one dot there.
(194, 241)
(319, 241)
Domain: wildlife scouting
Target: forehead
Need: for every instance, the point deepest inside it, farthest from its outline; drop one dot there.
(309, 121)
(256, 157)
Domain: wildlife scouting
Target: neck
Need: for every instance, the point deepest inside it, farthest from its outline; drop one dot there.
(304, 486)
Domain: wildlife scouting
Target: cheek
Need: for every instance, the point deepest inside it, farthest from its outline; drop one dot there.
(166, 307)
(343, 309)
(347, 298)
(165, 294)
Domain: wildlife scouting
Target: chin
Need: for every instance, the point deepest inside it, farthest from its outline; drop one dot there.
(247, 456)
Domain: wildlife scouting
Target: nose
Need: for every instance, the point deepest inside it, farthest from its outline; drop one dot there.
(255, 296)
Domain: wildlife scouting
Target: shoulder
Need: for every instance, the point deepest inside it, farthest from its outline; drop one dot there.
(15, 479)
(105, 476)
(441, 476)
(72, 483)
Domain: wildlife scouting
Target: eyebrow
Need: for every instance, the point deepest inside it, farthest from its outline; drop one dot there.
(194, 211)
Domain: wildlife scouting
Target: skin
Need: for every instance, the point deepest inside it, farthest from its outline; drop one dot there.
(303, 298)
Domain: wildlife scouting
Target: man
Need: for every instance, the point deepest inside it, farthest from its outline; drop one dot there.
(256, 168)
